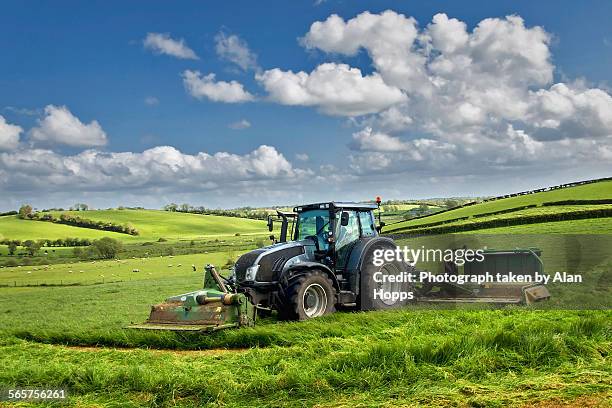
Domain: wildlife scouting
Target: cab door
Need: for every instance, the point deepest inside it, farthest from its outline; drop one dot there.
(346, 237)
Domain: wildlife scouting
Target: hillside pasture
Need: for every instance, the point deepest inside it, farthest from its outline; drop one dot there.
(537, 214)
(594, 191)
(151, 225)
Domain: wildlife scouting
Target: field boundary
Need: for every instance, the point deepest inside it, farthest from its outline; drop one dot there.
(522, 193)
(505, 222)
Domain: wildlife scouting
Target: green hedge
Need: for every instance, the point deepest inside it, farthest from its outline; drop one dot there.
(76, 221)
(520, 220)
(578, 202)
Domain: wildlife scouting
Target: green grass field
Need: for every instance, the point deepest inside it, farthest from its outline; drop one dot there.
(588, 226)
(600, 190)
(421, 356)
(151, 225)
(566, 209)
(398, 358)
(93, 272)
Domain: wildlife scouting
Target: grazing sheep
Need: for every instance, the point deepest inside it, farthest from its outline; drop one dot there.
(135, 270)
(179, 265)
(169, 265)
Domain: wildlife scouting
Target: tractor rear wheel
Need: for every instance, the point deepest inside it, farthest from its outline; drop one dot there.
(308, 296)
(389, 289)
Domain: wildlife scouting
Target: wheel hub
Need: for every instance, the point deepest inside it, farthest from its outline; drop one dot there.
(315, 300)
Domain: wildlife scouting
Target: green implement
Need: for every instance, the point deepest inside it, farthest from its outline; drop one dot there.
(210, 309)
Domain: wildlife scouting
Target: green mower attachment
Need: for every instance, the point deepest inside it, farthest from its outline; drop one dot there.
(210, 309)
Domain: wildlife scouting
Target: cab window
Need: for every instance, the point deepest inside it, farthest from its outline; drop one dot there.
(367, 224)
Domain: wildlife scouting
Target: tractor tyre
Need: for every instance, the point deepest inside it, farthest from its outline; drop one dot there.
(308, 296)
(389, 298)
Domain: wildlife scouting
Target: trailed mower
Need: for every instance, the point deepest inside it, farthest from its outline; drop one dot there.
(323, 261)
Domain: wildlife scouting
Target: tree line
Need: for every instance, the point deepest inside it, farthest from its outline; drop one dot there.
(246, 212)
(103, 248)
(27, 213)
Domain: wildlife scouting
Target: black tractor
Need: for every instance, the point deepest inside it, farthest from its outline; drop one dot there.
(322, 260)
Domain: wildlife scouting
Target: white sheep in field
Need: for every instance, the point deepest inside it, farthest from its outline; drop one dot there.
(135, 270)
(179, 265)
(169, 265)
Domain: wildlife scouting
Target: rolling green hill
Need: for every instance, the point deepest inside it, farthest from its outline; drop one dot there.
(151, 224)
(594, 191)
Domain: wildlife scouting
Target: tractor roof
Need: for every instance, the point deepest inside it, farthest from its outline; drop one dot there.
(336, 205)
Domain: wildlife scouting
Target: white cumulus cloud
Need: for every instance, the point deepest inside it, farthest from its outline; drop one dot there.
(232, 48)
(9, 135)
(485, 95)
(336, 89)
(205, 86)
(162, 168)
(162, 43)
(60, 126)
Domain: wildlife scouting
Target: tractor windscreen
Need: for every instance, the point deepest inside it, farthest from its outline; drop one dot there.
(314, 223)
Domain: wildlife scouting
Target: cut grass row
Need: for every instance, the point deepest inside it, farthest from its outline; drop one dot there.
(489, 358)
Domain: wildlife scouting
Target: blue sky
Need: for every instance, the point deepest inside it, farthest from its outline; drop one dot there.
(91, 59)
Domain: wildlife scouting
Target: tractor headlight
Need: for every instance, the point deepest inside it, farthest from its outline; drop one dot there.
(251, 272)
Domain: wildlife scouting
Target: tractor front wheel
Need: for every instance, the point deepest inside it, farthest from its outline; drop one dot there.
(308, 296)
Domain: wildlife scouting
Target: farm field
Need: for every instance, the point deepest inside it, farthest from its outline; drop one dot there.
(96, 272)
(594, 191)
(72, 317)
(587, 226)
(151, 224)
(489, 358)
(12, 227)
(474, 222)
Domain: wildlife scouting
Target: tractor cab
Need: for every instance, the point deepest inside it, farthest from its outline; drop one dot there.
(334, 228)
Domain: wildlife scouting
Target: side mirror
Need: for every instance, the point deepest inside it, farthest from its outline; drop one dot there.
(344, 219)
(270, 224)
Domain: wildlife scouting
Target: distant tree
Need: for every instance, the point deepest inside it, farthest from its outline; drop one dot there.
(31, 246)
(171, 207)
(451, 203)
(77, 252)
(185, 207)
(80, 207)
(25, 211)
(106, 248)
(12, 247)
(423, 209)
